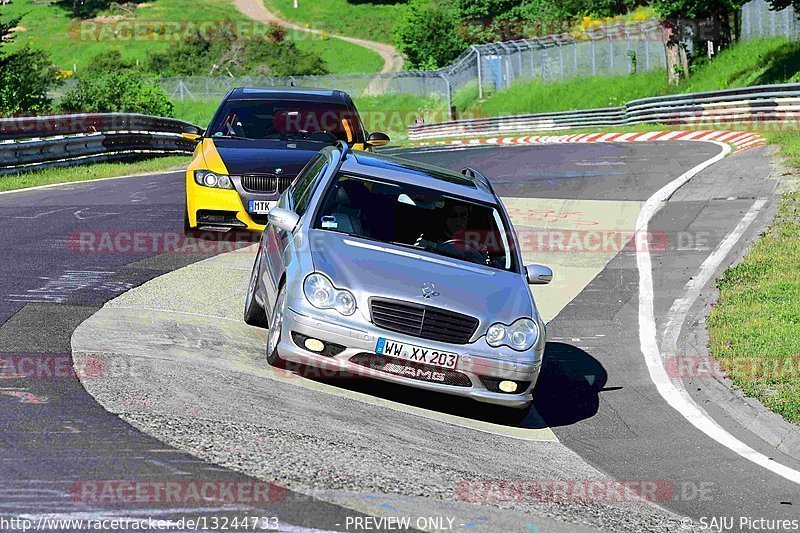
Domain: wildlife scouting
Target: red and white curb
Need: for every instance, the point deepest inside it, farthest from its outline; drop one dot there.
(739, 140)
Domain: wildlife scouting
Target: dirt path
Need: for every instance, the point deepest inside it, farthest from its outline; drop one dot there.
(255, 9)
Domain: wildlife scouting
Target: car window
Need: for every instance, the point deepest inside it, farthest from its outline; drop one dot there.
(281, 120)
(305, 184)
(417, 217)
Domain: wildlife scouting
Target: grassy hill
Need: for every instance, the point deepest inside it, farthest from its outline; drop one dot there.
(365, 20)
(73, 44)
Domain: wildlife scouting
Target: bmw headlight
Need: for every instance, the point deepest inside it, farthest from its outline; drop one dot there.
(521, 335)
(212, 179)
(321, 293)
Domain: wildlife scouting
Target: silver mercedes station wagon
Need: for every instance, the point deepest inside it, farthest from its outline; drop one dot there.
(386, 268)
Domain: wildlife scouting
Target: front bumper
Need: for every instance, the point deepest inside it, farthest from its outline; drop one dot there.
(363, 341)
(221, 209)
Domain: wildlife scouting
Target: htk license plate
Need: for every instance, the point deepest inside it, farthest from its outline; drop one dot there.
(416, 354)
(260, 207)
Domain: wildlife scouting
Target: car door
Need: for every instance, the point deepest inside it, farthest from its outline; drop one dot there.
(275, 240)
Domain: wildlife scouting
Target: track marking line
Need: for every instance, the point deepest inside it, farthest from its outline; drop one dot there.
(55, 185)
(677, 397)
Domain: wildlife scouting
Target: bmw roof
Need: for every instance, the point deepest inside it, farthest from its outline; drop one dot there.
(415, 173)
(287, 93)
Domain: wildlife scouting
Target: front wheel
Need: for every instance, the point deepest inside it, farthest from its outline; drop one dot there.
(274, 338)
(254, 314)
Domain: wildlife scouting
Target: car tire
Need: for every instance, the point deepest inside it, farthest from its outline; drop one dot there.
(274, 338)
(254, 314)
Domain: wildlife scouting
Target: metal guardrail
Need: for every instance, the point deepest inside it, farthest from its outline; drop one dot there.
(763, 103)
(30, 143)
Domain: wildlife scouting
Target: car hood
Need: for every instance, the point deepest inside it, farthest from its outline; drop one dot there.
(245, 156)
(370, 268)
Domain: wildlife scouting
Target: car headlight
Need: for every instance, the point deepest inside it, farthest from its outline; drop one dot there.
(321, 293)
(212, 179)
(521, 335)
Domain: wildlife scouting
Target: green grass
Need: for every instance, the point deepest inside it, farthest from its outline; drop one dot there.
(49, 27)
(605, 91)
(750, 63)
(393, 113)
(340, 56)
(754, 324)
(50, 176)
(362, 19)
(198, 112)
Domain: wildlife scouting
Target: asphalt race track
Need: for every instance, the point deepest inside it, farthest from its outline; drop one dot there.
(597, 411)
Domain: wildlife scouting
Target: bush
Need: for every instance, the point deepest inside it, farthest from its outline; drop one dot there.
(109, 61)
(117, 92)
(25, 76)
(230, 55)
(427, 34)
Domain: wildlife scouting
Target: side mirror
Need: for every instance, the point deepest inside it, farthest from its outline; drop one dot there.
(283, 218)
(191, 136)
(378, 139)
(538, 274)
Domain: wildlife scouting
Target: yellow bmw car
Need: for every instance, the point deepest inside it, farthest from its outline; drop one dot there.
(257, 142)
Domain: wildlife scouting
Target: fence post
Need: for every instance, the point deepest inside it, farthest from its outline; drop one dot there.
(758, 20)
(594, 64)
(772, 23)
(560, 58)
(610, 50)
(449, 99)
(480, 78)
(628, 49)
(575, 54)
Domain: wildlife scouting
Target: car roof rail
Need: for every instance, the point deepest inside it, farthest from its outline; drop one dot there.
(344, 147)
(477, 176)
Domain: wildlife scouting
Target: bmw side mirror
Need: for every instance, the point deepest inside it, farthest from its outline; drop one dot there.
(193, 133)
(283, 218)
(538, 274)
(378, 139)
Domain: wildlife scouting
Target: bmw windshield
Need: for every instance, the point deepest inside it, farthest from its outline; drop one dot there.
(419, 218)
(283, 120)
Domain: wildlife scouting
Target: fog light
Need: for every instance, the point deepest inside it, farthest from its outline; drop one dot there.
(317, 346)
(507, 386)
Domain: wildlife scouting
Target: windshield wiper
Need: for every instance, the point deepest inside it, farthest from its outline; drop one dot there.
(231, 137)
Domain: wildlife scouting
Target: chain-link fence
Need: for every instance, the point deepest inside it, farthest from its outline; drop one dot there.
(605, 50)
(619, 49)
(759, 21)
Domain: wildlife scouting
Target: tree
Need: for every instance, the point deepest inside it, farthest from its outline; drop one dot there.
(25, 76)
(777, 5)
(117, 92)
(694, 22)
(427, 33)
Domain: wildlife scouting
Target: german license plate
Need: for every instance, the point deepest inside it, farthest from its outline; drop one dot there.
(416, 354)
(260, 207)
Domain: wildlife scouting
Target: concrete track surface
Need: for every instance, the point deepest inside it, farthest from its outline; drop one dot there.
(184, 393)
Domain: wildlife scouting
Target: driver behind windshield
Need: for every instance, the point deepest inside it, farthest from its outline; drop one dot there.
(417, 218)
(260, 119)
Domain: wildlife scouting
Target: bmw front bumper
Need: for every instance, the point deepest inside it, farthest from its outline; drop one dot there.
(469, 378)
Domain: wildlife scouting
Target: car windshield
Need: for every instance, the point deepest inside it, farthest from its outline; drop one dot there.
(286, 120)
(416, 217)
